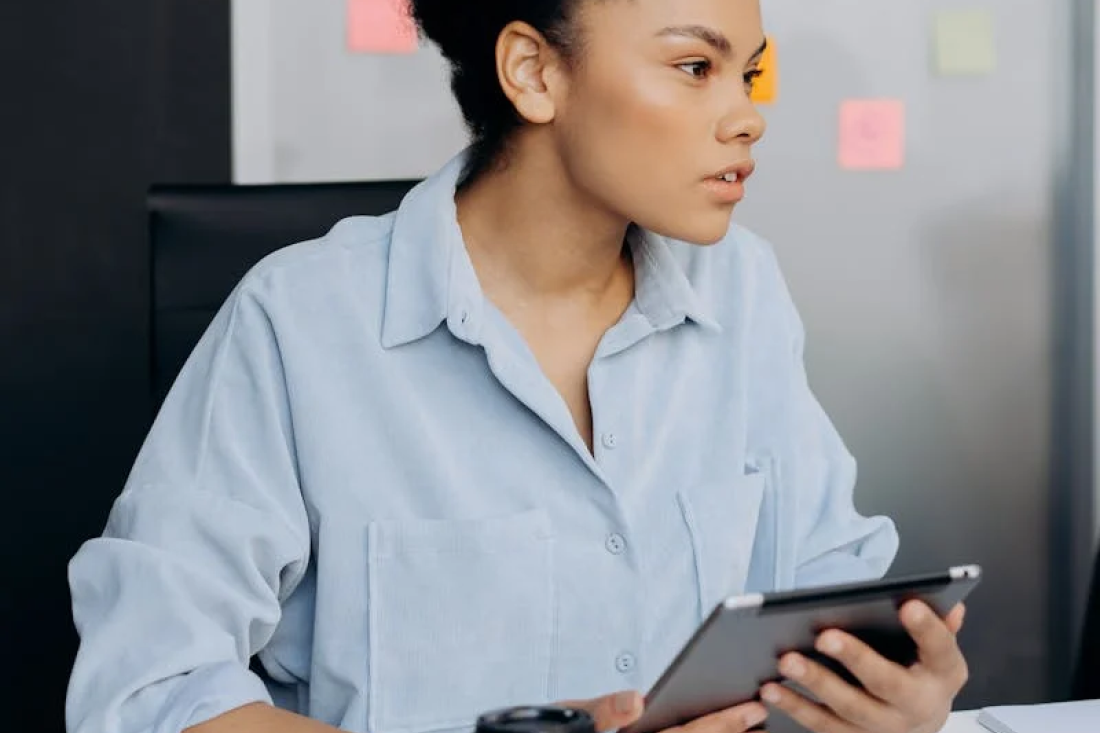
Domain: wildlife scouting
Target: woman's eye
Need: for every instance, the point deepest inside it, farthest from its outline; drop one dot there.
(751, 77)
(697, 69)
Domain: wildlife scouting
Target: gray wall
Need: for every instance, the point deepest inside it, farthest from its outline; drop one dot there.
(307, 110)
(928, 293)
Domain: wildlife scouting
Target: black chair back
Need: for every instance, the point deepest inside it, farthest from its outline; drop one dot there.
(203, 239)
(1086, 679)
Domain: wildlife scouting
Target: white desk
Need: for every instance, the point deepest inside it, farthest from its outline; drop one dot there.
(965, 722)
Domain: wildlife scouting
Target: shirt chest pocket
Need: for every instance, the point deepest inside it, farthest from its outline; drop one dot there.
(461, 619)
(721, 520)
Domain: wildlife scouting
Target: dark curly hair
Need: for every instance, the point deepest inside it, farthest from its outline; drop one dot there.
(467, 35)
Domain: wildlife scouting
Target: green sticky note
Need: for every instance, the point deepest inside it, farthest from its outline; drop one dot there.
(965, 43)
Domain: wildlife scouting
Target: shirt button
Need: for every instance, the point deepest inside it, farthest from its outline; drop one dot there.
(609, 441)
(615, 543)
(462, 310)
(624, 662)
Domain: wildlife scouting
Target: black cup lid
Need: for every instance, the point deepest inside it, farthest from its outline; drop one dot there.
(536, 719)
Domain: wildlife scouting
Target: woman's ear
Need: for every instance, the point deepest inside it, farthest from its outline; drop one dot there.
(527, 68)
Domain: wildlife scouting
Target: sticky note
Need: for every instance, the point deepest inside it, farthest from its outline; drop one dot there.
(965, 43)
(766, 86)
(872, 134)
(380, 26)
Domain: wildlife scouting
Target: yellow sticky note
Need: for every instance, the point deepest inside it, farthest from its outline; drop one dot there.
(380, 26)
(766, 86)
(872, 134)
(965, 42)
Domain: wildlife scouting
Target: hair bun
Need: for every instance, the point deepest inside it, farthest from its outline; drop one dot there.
(457, 30)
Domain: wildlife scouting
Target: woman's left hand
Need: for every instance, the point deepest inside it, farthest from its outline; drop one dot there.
(896, 699)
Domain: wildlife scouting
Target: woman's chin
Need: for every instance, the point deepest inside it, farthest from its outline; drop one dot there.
(702, 233)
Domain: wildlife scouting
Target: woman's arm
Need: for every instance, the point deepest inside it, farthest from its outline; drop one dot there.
(830, 541)
(207, 539)
(261, 718)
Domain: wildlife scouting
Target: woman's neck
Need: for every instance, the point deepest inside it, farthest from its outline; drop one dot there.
(533, 235)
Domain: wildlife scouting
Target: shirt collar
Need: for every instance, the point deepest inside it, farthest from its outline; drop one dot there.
(662, 291)
(431, 279)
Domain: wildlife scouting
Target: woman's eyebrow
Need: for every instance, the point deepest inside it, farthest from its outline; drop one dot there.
(710, 36)
(713, 38)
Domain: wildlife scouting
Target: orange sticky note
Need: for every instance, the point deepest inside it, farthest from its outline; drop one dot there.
(872, 134)
(766, 86)
(381, 26)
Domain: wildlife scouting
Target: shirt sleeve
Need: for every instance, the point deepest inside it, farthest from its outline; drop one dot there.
(827, 539)
(208, 537)
(835, 543)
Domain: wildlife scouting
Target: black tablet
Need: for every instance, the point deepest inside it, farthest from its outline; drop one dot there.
(736, 650)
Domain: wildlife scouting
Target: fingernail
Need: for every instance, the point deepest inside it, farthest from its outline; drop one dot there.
(771, 694)
(756, 716)
(917, 614)
(829, 643)
(792, 666)
(625, 702)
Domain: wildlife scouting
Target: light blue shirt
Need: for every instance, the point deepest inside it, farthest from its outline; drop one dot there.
(362, 476)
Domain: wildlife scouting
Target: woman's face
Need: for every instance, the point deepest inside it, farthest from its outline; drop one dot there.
(657, 109)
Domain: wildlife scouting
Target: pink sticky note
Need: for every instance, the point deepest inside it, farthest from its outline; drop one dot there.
(380, 26)
(872, 134)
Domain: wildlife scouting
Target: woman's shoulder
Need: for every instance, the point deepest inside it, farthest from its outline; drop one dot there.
(341, 270)
(318, 288)
(357, 242)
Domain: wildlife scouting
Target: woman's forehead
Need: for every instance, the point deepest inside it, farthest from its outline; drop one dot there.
(651, 17)
(735, 24)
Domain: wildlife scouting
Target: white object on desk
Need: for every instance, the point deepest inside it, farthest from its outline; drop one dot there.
(966, 722)
(1059, 717)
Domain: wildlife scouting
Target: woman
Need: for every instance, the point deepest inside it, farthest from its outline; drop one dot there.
(510, 443)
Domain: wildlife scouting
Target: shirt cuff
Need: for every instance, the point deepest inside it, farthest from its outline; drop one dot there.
(207, 692)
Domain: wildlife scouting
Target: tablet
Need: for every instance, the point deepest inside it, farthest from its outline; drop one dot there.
(736, 649)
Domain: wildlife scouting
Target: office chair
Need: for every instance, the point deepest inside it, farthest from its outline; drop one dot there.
(203, 239)
(1086, 679)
